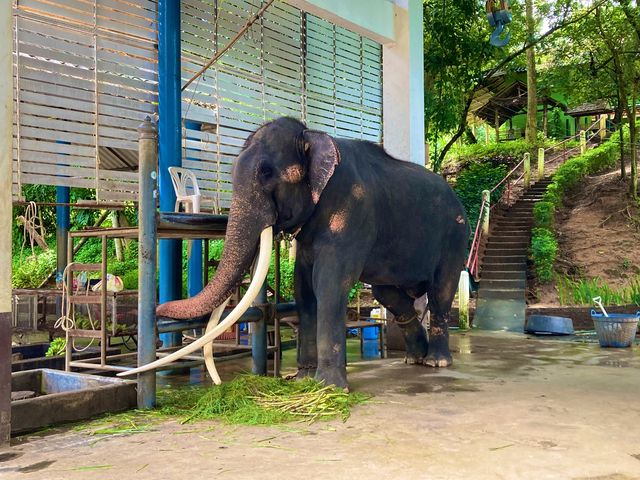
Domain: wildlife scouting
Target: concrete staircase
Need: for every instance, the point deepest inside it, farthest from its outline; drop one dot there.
(501, 300)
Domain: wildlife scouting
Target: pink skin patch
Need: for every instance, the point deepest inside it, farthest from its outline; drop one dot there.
(338, 221)
(358, 191)
(460, 219)
(292, 174)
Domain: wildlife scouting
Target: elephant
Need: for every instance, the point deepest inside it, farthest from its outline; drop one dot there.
(357, 214)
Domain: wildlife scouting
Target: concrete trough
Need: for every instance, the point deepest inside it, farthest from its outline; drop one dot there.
(48, 397)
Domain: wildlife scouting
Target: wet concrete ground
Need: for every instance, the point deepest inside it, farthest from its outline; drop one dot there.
(511, 407)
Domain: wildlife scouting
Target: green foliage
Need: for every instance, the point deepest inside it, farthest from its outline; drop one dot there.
(544, 248)
(544, 214)
(354, 291)
(286, 274)
(30, 272)
(256, 400)
(569, 174)
(56, 347)
(502, 153)
(456, 52)
(582, 292)
(472, 181)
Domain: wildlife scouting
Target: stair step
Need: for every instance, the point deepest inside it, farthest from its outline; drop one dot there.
(503, 284)
(506, 249)
(520, 235)
(503, 275)
(502, 294)
(498, 250)
(504, 267)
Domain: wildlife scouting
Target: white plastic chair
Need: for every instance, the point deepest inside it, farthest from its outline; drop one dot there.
(181, 177)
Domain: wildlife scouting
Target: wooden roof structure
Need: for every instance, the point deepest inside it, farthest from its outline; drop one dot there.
(503, 97)
(598, 107)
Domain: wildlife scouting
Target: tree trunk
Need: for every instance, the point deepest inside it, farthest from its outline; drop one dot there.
(632, 142)
(532, 100)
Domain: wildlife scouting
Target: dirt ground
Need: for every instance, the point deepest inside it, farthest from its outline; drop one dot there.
(598, 232)
(511, 407)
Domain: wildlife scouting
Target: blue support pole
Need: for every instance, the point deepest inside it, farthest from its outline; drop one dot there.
(63, 223)
(170, 134)
(194, 279)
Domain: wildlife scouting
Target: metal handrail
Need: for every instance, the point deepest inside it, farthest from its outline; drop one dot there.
(472, 261)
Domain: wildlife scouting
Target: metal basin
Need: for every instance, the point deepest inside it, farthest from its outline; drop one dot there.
(549, 325)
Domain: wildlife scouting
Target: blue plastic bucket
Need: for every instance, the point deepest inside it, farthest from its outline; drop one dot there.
(616, 330)
(370, 333)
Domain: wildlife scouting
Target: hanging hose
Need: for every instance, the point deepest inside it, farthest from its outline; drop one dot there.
(67, 322)
(32, 228)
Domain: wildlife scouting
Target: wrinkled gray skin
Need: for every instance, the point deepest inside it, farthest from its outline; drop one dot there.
(358, 214)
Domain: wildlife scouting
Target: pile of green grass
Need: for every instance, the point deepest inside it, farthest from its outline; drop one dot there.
(256, 400)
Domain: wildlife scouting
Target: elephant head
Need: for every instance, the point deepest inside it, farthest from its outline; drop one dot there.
(277, 180)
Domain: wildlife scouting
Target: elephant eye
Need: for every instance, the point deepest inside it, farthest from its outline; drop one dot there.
(266, 171)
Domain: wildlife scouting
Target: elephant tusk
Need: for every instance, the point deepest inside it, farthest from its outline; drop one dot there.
(207, 350)
(262, 267)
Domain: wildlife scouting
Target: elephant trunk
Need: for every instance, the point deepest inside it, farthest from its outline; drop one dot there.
(241, 242)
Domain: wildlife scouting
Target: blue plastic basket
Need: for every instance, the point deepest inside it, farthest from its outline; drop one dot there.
(616, 330)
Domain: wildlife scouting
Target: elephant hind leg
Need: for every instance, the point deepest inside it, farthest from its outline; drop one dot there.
(441, 294)
(398, 302)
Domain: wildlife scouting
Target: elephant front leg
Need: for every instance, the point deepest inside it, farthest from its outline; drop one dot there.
(307, 312)
(331, 287)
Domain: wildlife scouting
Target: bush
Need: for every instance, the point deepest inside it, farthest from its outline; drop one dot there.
(593, 161)
(472, 181)
(503, 153)
(544, 214)
(30, 272)
(544, 249)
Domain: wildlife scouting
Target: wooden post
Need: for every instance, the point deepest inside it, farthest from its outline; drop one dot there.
(292, 251)
(147, 248)
(603, 127)
(527, 170)
(6, 214)
(496, 120)
(463, 300)
(486, 198)
(583, 142)
(540, 163)
(545, 120)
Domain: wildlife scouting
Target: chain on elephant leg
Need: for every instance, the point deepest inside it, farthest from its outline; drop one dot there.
(439, 354)
(415, 338)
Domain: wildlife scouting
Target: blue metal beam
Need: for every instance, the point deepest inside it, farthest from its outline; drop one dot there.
(170, 132)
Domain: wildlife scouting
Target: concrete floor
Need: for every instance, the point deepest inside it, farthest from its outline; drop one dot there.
(511, 407)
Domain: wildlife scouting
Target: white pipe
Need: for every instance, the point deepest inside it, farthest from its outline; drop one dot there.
(262, 267)
(207, 350)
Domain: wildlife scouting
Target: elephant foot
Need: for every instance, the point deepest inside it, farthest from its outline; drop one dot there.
(333, 376)
(439, 354)
(303, 372)
(413, 360)
(415, 341)
(438, 360)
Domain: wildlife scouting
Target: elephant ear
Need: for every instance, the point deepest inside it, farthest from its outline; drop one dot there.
(322, 157)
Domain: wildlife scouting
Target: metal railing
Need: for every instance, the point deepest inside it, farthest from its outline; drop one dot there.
(482, 225)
